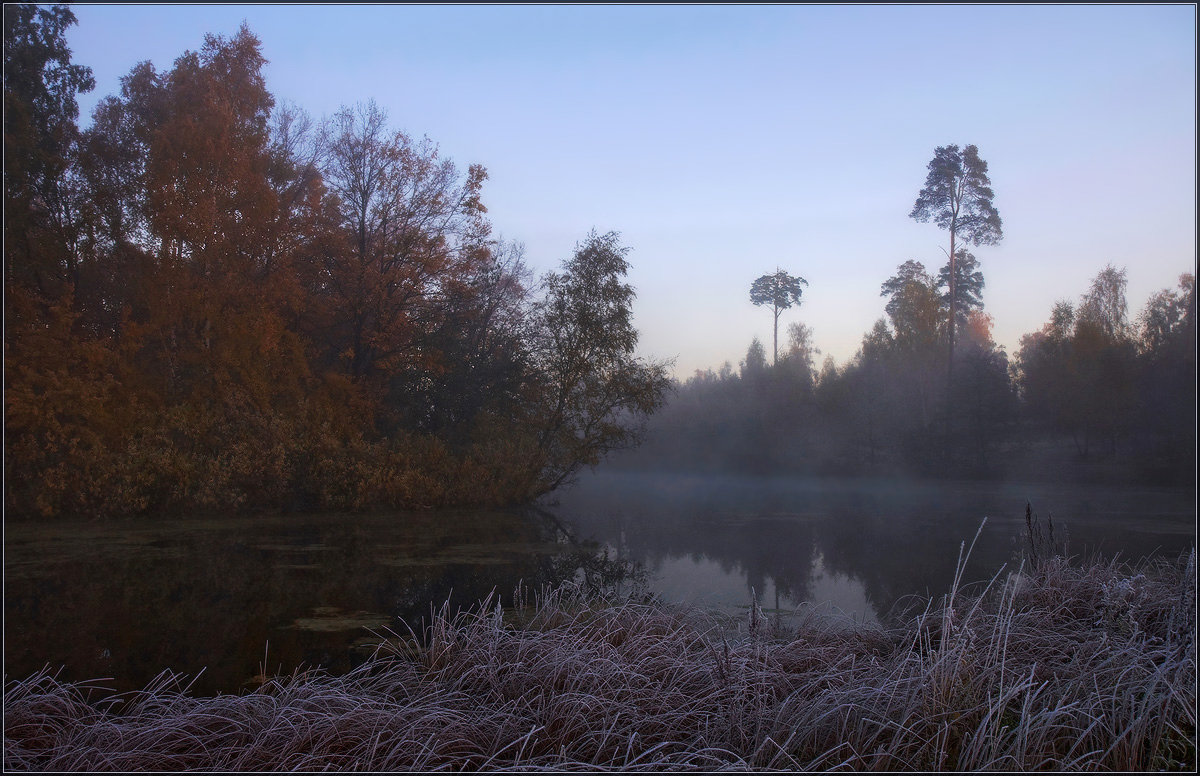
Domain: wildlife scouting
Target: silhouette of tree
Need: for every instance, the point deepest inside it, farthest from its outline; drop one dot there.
(1078, 374)
(1104, 305)
(958, 197)
(968, 286)
(755, 363)
(801, 354)
(593, 394)
(1167, 380)
(779, 290)
(913, 306)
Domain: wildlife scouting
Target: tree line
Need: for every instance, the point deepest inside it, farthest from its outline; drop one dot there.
(214, 301)
(1092, 395)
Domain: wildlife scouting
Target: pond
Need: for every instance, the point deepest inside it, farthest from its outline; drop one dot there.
(122, 601)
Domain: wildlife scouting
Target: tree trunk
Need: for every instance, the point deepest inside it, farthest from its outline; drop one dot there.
(953, 305)
(950, 355)
(775, 342)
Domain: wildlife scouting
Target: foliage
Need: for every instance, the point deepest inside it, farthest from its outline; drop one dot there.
(1123, 406)
(968, 286)
(1103, 307)
(216, 304)
(1087, 375)
(592, 392)
(957, 196)
(914, 305)
(40, 84)
(755, 362)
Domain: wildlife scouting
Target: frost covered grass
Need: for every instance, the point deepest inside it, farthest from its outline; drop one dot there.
(1062, 666)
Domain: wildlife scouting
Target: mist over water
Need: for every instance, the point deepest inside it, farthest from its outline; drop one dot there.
(858, 545)
(125, 600)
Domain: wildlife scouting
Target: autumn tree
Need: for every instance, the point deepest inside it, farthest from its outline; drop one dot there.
(984, 398)
(913, 306)
(481, 341)
(779, 290)
(1077, 375)
(1046, 384)
(63, 408)
(957, 196)
(412, 225)
(1167, 323)
(40, 134)
(1105, 353)
(214, 302)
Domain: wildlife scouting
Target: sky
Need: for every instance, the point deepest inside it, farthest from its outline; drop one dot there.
(725, 141)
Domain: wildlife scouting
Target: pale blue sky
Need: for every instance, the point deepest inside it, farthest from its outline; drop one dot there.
(722, 141)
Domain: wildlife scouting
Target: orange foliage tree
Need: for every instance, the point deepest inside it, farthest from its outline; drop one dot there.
(234, 308)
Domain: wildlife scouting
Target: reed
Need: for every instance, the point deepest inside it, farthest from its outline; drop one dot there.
(1056, 666)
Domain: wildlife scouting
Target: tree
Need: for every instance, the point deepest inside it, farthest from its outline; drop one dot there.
(911, 356)
(1104, 306)
(1078, 373)
(913, 306)
(1169, 319)
(1167, 379)
(755, 363)
(1047, 386)
(40, 134)
(781, 291)
(801, 353)
(984, 394)
(593, 395)
(411, 222)
(967, 283)
(958, 197)
(1105, 354)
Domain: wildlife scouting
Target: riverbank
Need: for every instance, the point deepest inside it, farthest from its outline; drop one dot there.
(1067, 666)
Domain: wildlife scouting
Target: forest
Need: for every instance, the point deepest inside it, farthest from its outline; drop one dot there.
(1091, 396)
(215, 302)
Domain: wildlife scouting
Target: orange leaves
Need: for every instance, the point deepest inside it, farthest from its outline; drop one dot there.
(64, 408)
(261, 314)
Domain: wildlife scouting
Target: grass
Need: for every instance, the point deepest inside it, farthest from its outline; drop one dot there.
(1060, 666)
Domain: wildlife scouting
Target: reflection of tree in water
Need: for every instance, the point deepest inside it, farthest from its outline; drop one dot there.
(653, 527)
(903, 556)
(188, 596)
(896, 539)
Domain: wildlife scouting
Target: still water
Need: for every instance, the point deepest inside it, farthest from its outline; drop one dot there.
(122, 601)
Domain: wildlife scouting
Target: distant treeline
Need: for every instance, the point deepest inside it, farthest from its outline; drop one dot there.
(215, 302)
(1092, 395)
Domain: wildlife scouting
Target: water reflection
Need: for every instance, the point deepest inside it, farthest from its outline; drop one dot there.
(126, 601)
(861, 547)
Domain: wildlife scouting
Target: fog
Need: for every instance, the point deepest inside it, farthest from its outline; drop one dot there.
(868, 547)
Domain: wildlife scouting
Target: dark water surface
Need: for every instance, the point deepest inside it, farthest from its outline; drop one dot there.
(854, 545)
(126, 600)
